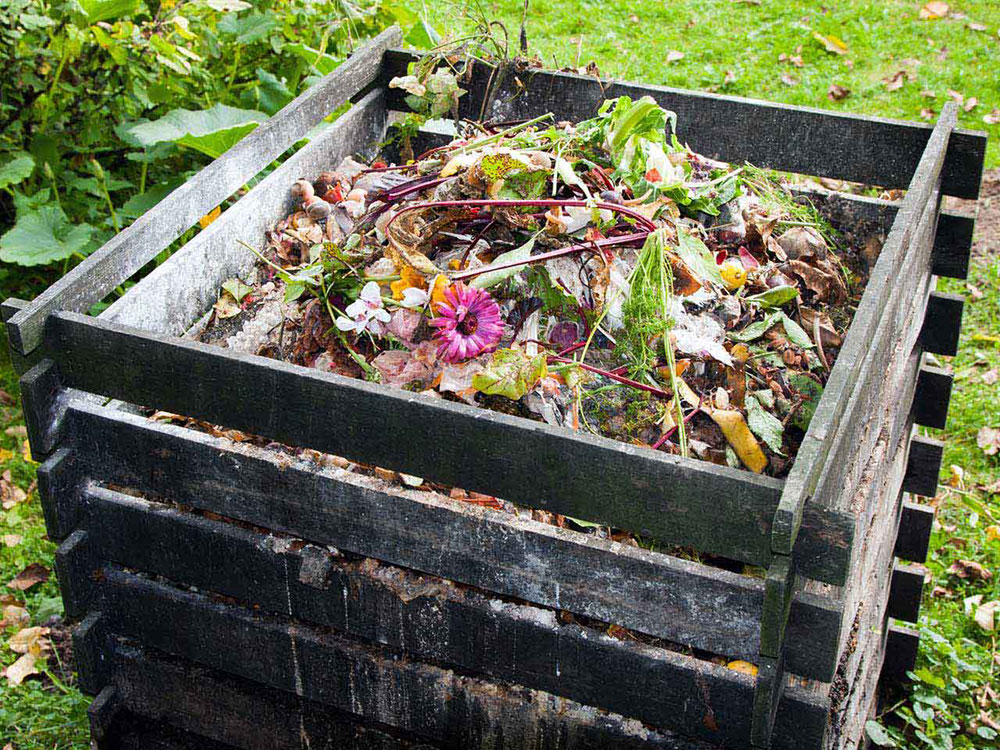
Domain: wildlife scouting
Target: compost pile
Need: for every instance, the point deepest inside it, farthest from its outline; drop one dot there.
(598, 276)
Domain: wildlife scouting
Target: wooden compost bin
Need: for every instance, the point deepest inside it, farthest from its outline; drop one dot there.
(227, 594)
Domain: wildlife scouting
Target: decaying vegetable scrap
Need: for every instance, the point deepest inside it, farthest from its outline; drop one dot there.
(598, 276)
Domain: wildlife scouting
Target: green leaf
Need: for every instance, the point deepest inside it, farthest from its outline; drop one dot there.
(795, 333)
(237, 289)
(811, 392)
(16, 170)
(211, 131)
(269, 93)
(322, 61)
(925, 675)
(43, 236)
(492, 278)
(780, 295)
(422, 35)
(878, 734)
(107, 10)
(510, 373)
(755, 330)
(698, 258)
(227, 6)
(764, 425)
(247, 29)
(140, 203)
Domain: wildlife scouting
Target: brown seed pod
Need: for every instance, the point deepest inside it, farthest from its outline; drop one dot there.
(318, 209)
(303, 190)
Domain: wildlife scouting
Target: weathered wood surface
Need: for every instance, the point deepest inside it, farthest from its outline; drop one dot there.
(653, 593)
(177, 293)
(914, 532)
(158, 693)
(426, 618)
(872, 330)
(810, 141)
(901, 648)
(905, 590)
(930, 402)
(444, 707)
(132, 248)
(57, 489)
(675, 500)
(924, 466)
(942, 324)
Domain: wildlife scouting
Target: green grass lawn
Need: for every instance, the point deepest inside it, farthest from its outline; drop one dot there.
(733, 48)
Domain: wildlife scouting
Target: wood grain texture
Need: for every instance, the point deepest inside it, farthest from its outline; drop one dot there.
(923, 466)
(135, 246)
(869, 334)
(818, 142)
(669, 498)
(914, 532)
(933, 394)
(173, 296)
(942, 324)
(426, 618)
(905, 590)
(664, 596)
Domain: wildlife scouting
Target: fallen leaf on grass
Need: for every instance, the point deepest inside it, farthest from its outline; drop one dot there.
(30, 576)
(990, 377)
(21, 669)
(993, 533)
(6, 399)
(12, 540)
(993, 118)
(985, 615)
(970, 104)
(674, 55)
(955, 96)
(934, 10)
(29, 640)
(969, 570)
(831, 43)
(14, 617)
(10, 493)
(988, 439)
(795, 60)
(956, 476)
(976, 26)
(895, 81)
(928, 114)
(729, 78)
(17, 431)
(789, 80)
(837, 92)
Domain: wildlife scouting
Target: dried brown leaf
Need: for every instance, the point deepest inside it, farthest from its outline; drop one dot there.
(970, 104)
(969, 570)
(993, 118)
(30, 576)
(789, 80)
(988, 439)
(21, 669)
(934, 10)
(895, 81)
(674, 55)
(836, 92)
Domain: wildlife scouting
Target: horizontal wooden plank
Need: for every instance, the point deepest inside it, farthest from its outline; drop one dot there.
(131, 249)
(653, 593)
(905, 590)
(942, 324)
(933, 394)
(870, 337)
(810, 141)
(672, 499)
(173, 296)
(206, 706)
(914, 532)
(923, 466)
(439, 705)
(426, 618)
(131, 732)
(901, 648)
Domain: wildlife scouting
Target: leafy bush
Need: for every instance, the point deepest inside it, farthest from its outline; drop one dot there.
(117, 101)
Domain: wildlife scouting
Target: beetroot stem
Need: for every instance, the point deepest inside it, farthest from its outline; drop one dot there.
(618, 378)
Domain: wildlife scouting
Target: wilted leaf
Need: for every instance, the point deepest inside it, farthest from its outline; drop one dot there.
(831, 43)
(934, 10)
(976, 26)
(211, 216)
(34, 574)
(674, 55)
(970, 104)
(988, 439)
(744, 667)
(24, 667)
(764, 425)
(211, 131)
(836, 92)
(44, 236)
(510, 373)
(956, 476)
(12, 540)
(29, 640)
(227, 6)
(237, 289)
(991, 376)
(14, 616)
(10, 493)
(993, 118)
(789, 80)
(895, 81)
(969, 570)
(491, 278)
(738, 435)
(927, 113)
(985, 615)
(16, 170)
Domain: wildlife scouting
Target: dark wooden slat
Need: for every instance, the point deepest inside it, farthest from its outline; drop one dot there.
(953, 245)
(818, 142)
(676, 500)
(905, 591)
(74, 564)
(425, 618)
(102, 711)
(884, 291)
(930, 402)
(942, 324)
(90, 646)
(901, 648)
(173, 296)
(57, 487)
(212, 707)
(923, 466)
(645, 591)
(40, 390)
(131, 732)
(132, 248)
(431, 702)
(914, 532)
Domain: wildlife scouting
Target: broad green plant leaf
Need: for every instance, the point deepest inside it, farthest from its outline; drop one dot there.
(16, 170)
(107, 10)
(697, 257)
(492, 278)
(211, 131)
(510, 373)
(878, 734)
(43, 236)
(323, 62)
(268, 93)
(780, 295)
(249, 28)
(422, 35)
(764, 425)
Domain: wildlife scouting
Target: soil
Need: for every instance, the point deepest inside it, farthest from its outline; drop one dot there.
(986, 241)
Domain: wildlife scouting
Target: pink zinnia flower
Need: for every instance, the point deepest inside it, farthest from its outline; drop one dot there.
(468, 323)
